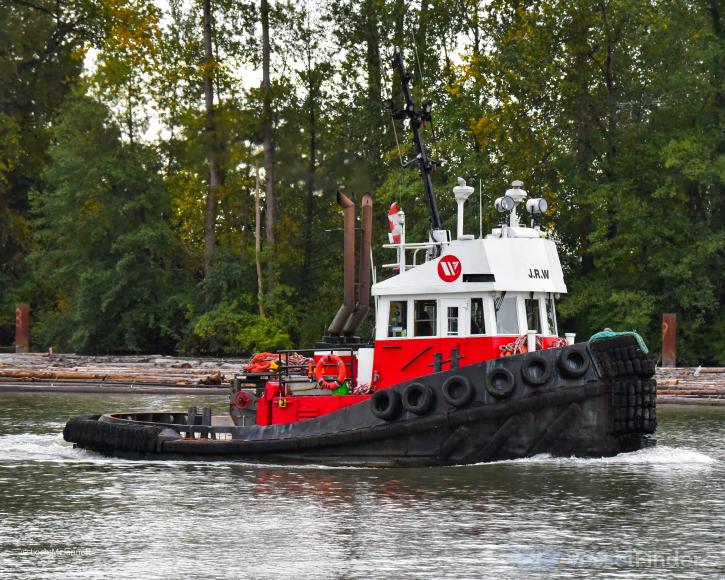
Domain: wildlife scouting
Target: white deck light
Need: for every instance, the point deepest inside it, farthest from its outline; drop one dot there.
(462, 192)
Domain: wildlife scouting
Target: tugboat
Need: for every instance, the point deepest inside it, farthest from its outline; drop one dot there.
(466, 365)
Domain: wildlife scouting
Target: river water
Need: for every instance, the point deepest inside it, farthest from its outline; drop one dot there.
(70, 513)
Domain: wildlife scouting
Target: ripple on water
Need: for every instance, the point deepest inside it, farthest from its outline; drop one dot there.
(69, 512)
(659, 455)
(51, 447)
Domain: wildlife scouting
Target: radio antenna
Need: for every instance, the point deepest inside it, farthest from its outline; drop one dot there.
(416, 117)
(480, 209)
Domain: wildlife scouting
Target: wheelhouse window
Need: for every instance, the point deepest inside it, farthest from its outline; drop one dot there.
(507, 316)
(551, 317)
(398, 319)
(533, 321)
(452, 315)
(425, 318)
(478, 326)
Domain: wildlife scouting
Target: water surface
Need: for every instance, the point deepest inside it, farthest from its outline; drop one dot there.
(67, 512)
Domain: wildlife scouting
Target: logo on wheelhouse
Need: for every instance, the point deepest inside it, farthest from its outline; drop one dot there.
(538, 274)
(449, 268)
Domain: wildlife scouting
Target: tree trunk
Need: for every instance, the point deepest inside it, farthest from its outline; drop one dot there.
(271, 200)
(258, 245)
(475, 25)
(398, 40)
(716, 79)
(311, 170)
(420, 40)
(476, 32)
(611, 93)
(129, 117)
(373, 54)
(373, 115)
(609, 167)
(582, 148)
(246, 222)
(212, 157)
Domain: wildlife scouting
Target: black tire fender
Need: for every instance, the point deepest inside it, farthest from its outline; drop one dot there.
(535, 370)
(457, 391)
(417, 398)
(500, 382)
(385, 404)
(573, 362)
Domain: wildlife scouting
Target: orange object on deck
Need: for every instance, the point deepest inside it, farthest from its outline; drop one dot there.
(261, 362)
(330, 382)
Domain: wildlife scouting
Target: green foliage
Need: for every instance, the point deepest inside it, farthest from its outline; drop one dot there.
(37, 68)
(612, 110)
(107, 265)
(228, 330)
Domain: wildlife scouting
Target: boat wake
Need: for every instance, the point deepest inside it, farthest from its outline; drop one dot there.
(22, 448)
(38, 447)
(50, 447)
(660, 455)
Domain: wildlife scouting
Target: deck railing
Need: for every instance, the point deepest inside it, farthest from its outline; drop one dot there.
(305, 372)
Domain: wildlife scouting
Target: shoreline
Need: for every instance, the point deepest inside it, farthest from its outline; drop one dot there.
(128, 374)
(97, 388)
(687, 401)
(169, 375)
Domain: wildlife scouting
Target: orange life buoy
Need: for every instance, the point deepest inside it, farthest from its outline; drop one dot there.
(242, 400)
(330, 382)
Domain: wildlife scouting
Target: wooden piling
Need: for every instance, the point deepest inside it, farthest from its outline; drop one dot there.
(22, 328)
(669, 339)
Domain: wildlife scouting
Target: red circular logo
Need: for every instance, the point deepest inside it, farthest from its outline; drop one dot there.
(449, 268)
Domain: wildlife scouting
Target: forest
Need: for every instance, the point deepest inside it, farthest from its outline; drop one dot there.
(136, 137)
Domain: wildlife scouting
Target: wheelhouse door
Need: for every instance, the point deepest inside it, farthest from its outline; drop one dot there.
(453, 317)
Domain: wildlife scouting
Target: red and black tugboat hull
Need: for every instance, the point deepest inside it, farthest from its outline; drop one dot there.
(590, 399)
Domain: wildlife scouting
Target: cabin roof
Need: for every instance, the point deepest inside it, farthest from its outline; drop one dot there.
(514, 264)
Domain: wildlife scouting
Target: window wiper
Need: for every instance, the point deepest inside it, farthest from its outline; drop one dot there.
(498, 301)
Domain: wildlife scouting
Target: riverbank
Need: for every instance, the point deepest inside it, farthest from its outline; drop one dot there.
(95, 387)
(691, 386)
(152, 374)
(156, 374)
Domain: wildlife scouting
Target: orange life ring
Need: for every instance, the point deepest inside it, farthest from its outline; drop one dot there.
(330, 382)
(242, 400)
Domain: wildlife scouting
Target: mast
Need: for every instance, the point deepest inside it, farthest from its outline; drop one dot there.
(417, 117)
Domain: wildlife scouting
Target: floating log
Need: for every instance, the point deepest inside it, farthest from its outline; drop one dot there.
(690, 401)
(125, 369)
(692, 392)
(686, 382)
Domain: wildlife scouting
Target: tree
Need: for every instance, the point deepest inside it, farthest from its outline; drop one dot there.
(267, 126)
(612, 110)
(215, 174)
(107, 264)
(38, 65)
(595, 108)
